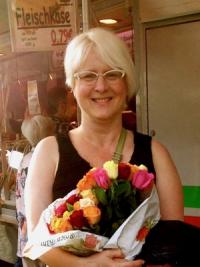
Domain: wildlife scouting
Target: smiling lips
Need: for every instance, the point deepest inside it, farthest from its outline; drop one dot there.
(102, 100)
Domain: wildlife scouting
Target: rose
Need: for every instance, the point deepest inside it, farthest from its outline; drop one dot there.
(87, 182)
(59, 225)
(85, 202)
(89, 194)
(111, 168)
(65, 225)
(77, 219)
(102, 178)
(73, 198)
(60, 210)
(124, 171)
(93, 214)
(142, 179)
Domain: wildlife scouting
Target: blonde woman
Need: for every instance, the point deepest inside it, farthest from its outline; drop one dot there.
(100, 72)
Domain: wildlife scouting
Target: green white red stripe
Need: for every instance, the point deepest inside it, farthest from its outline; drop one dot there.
(192, 204)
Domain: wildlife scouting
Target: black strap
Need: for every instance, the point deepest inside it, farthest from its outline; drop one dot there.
(117, 156)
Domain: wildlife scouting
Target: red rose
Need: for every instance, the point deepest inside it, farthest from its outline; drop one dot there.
(49, 228)
(73, 198)
(77, 219)
(124, 171)
(60, 210)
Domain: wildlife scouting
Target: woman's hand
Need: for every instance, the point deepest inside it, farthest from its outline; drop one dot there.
(110, 258)
(57, 257)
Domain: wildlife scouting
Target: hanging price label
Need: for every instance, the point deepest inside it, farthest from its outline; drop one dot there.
(60, 36)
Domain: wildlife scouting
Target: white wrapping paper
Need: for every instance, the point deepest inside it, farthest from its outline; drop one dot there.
(84, 243)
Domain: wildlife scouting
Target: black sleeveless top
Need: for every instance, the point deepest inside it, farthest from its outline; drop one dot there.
(72, 167)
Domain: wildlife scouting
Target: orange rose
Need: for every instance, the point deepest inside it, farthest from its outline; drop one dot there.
(92, 213)
(59, 225)
(77, 205)
(87, 182)
(134, 168)
(65, 226)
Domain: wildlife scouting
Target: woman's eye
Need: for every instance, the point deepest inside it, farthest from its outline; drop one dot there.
(113, 75)
(88, 77)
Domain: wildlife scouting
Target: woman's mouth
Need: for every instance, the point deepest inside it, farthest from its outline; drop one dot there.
(102, 99)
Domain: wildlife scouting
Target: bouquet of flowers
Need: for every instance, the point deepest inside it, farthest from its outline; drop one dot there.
(108, 204)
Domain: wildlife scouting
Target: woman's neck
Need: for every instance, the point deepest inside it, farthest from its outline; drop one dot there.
(101, 134)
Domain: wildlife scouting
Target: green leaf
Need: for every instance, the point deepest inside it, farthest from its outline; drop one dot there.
(109, 212)
(123, 188)
(70, 207)
(101, 195)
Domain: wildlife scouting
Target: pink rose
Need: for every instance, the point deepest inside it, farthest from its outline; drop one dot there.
(142, 179)
(102, 178)
(60, 210)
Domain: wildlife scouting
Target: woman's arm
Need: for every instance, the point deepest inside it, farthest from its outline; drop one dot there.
(108, 258)
(168, 184)
(40, 179)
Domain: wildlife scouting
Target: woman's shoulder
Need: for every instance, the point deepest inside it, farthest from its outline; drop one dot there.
(159, 150)
(47, 145)
(49, 140)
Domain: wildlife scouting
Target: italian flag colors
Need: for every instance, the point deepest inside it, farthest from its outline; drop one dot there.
(192, 204)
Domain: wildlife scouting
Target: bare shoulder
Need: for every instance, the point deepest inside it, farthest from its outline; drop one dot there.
(161, 154)
(162, 158)
(48, 142)
(47, 145)
(158, 147)
(46, 154)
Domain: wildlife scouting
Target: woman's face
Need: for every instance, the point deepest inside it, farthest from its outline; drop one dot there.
(102, 98)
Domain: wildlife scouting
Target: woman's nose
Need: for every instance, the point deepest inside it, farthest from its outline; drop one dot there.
(101, 84)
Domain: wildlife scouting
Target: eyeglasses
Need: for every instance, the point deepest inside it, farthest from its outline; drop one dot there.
(90, 77)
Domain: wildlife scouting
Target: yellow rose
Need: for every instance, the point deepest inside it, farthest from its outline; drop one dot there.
(143, 167)
(111, 168)
(86, 202)
(66, 214)
(89, 194)
(65, 226)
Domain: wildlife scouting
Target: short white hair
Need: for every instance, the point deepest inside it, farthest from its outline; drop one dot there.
(113, 51)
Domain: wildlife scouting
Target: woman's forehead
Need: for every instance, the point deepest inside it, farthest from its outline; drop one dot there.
(94, 60)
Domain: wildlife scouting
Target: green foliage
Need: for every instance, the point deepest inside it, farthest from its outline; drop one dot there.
(70, 207)
(101, 195)
(116, 204)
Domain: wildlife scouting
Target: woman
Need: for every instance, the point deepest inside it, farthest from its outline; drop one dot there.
(100, 72)
(33, 129)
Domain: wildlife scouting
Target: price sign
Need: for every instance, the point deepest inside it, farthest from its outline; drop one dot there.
(41, 25)
(60, 36)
